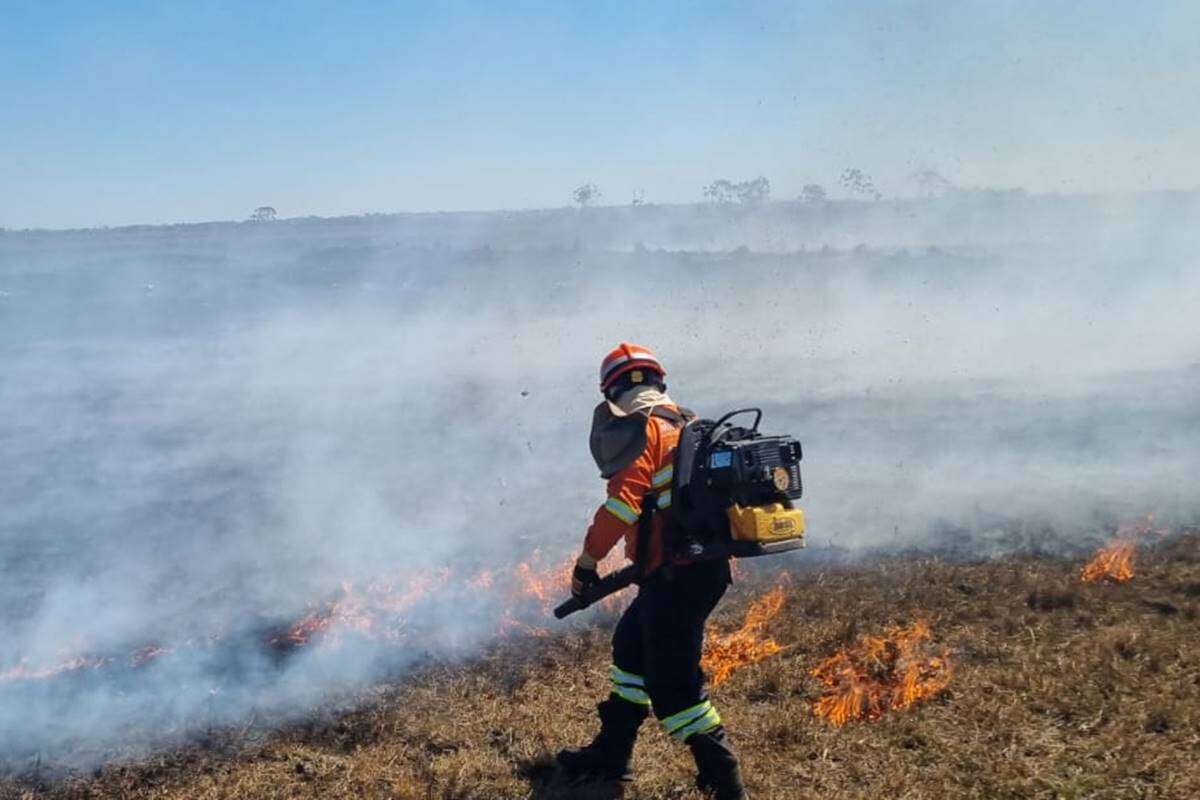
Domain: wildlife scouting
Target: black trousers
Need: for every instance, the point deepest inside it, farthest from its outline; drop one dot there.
(661, 635)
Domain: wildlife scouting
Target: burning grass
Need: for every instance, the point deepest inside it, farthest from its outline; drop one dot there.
(380, 610)
(726, 652)
(1098, 697)
(1113, 563)
(878, 674)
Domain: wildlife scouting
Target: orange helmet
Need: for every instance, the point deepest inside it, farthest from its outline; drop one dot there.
(625, 358)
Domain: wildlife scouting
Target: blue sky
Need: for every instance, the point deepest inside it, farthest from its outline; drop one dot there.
(123, 112)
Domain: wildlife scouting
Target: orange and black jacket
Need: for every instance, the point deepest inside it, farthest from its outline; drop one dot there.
(651, 471)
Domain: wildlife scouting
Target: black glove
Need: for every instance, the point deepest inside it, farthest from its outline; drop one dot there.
(581, 579)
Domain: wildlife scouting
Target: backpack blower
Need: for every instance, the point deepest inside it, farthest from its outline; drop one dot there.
(733, 496)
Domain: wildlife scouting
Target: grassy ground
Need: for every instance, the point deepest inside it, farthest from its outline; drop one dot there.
(1060, 690)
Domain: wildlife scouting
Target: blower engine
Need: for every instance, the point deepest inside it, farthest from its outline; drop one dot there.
(733, 495)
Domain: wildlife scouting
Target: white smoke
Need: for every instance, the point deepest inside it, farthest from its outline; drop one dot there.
(208, 428)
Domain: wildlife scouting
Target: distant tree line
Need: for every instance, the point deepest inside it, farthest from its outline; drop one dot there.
(752, 192)
(853, 180)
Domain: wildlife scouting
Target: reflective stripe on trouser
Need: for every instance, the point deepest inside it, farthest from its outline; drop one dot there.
(628, 686)
(700, 718)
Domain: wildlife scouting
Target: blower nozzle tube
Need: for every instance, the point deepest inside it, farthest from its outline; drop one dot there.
(609, 584)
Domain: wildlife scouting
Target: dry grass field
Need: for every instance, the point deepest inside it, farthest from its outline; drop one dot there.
(1060, 689)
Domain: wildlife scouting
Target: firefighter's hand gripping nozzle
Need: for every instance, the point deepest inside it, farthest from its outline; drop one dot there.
(609, 584)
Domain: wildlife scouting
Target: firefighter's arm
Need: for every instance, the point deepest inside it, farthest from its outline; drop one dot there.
(619, 514)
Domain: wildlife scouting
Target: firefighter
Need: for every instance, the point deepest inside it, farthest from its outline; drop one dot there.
(658, 641)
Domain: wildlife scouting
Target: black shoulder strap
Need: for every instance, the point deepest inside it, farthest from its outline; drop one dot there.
(645, 523)
(645, 529)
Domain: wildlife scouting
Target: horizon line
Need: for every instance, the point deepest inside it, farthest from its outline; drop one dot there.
(946, 194)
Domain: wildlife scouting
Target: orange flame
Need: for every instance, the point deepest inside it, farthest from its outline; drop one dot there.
(1114, 562)
(380, 609)
(878, 674)
(144, 655)
(544, 585)
(23, 672)
(725, 653)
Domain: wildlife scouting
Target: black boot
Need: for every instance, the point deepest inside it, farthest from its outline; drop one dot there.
(717, 766)
(610, 755)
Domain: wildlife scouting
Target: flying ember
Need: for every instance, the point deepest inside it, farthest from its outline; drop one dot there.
(878, 674)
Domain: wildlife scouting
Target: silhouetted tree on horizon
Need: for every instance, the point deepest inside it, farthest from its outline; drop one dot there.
(858, 182)
(813, 193)
(586, 194)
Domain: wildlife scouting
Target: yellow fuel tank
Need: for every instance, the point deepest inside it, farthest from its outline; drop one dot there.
(776, 522)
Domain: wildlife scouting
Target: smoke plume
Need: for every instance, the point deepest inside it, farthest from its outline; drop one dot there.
(208, 429)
